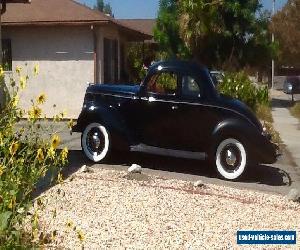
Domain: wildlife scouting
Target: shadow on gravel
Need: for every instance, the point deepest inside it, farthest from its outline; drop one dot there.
(262, 174)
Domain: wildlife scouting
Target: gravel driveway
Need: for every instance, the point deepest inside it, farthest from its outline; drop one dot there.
(113, 210)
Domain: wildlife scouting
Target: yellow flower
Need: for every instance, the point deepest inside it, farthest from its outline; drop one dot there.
(1, 139)
(70, 124)
(41, 98)
(13, 148)
(40, 155)
(63, 114)
(1, 71)
(80, 235)
(51, 152)
(2, 168)
(64, 154)
(35, 112)
(18, 70)
(12, 203)
(55, 141)
(36, 70)
(22, 82)
(60, 178)
(56, 118)
(15, 101)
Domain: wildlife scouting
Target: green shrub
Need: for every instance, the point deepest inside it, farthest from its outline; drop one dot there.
(26, 155)
(264, 113)
(137, 54)
(239, 85)
(295, 110)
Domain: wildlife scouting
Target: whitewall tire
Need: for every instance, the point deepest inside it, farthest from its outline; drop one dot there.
(231, 159)
(95, 142)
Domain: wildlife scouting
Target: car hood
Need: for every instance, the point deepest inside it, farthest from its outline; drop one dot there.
(114, 89)
(241, 108)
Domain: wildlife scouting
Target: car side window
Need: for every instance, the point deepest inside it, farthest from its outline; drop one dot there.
(190, 87)
(164, 83)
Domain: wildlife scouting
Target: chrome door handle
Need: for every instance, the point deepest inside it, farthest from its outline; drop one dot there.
(174, 107)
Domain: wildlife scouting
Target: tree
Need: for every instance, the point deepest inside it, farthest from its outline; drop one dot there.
(229, 34)
(285, 25)
(107, 9)
(103, 7)
(99, 5)
(166, 31)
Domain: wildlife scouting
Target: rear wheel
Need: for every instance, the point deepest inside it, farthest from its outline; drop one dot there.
(95, 142)
(231, 159)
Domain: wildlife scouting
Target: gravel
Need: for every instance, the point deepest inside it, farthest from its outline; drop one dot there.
(110, 210)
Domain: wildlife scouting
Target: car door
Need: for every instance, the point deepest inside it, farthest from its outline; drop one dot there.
(157, 110)
(196, 117)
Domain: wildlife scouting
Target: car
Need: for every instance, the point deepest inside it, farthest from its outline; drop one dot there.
(176, 111)
(291, 85)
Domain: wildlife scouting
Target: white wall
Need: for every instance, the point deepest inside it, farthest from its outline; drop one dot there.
(66, 61)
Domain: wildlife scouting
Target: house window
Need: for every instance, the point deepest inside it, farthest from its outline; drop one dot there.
(6, 55)
(111, 61)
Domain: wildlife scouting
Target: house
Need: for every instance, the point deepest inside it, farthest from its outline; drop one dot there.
(146, 26)
(71, 43)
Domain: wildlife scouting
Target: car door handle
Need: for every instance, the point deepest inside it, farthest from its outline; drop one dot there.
(174, 107)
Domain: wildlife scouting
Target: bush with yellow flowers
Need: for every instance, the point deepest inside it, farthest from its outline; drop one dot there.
(27, 153)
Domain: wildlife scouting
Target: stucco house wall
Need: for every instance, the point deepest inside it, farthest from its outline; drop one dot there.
(66, 59)
(66, 40)
(65, 56)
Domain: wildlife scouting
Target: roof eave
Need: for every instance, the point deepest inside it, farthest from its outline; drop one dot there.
(135, 35)
(54, 23)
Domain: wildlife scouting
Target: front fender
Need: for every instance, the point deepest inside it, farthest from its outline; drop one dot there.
(111, 119)
(259, 146)
(245, 132)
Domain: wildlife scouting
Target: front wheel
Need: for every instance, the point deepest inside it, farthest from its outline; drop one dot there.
(95, 142)
(231, 159)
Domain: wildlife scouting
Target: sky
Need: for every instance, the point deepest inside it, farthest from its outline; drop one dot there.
(148, 8)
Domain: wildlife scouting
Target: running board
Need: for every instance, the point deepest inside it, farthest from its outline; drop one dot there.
(168, 152)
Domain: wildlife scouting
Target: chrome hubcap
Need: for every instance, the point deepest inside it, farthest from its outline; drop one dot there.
(230, 158)
(96, 140)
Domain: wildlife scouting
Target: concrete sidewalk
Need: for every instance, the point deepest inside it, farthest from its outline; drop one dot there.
(288, 127)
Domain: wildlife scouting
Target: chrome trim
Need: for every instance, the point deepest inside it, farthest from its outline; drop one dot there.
(168, 152)
(180, 102)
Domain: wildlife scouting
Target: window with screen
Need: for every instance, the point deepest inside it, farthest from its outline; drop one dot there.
(6, 55)
(111, 61)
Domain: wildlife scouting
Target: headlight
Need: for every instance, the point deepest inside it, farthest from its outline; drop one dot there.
(266, 134)
(290, 87)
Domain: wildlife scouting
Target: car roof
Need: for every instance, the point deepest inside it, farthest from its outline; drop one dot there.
(179, 65)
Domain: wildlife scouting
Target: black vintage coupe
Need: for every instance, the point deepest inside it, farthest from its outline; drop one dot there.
(176, 112)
